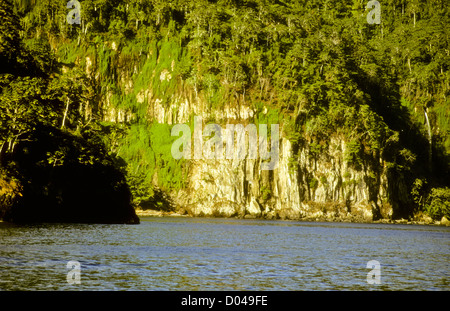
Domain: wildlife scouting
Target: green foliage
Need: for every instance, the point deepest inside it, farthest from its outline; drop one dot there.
(315, 149)
(146, 148)
(170, 171)
(267, 115)
(266, 193)
(418, 192)
(313, 183)
(353, 154)
(66, 172)
(438, 203)
(315, 67)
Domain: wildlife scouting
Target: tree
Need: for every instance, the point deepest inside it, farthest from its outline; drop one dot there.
(13, 57)
(21, 109)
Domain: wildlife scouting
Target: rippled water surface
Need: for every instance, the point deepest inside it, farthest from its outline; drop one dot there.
(224, 254)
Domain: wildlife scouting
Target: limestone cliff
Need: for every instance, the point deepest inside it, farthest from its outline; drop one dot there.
(305, 185)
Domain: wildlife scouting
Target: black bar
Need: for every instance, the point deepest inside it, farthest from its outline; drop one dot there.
(198, 300)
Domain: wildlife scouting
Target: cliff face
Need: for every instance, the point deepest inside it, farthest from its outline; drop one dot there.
(305, 184)
(310, 181)
(300, 187)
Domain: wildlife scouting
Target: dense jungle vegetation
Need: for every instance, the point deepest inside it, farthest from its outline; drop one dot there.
(318, 66)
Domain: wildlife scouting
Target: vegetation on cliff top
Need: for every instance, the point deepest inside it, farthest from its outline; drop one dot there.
(316, 63)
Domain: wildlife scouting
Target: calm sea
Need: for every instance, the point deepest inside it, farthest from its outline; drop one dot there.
(224, 254)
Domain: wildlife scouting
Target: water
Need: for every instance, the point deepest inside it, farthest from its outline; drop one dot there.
(224, 254)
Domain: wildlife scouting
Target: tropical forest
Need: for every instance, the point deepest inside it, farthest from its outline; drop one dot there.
(90, 91)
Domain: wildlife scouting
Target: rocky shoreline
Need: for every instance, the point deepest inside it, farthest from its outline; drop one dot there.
(418, 220)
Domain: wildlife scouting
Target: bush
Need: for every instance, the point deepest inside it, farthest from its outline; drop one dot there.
(438, 203)
(418, 192)
(353, 154)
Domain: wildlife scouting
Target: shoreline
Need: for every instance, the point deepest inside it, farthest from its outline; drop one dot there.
(158, 213)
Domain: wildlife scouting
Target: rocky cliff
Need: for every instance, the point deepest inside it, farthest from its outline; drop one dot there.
(309, 182)
(305, 185)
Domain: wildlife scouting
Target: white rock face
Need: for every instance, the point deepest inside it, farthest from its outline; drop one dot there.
(303, 186)
(239, 188)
